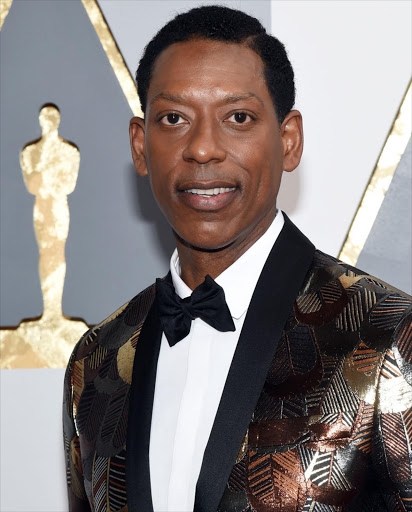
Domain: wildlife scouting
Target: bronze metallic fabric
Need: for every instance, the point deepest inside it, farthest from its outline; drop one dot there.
(331, 431)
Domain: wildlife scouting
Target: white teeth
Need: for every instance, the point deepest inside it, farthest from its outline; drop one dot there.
(209, 192)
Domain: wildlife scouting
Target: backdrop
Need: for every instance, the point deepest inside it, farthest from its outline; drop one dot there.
(353, 66)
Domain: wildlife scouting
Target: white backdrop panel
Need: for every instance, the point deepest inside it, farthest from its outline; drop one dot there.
(353, 64)
(31, 459)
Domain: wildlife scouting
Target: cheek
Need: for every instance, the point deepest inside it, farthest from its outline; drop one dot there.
(162, 156)
(160, 167)
(160, 191)
(268, 180)
(260, 151)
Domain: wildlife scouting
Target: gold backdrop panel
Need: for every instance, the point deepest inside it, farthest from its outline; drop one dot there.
(50, 168)
(4, 10)
(379, 183)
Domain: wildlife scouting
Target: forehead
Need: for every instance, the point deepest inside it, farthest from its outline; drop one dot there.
(208, 66)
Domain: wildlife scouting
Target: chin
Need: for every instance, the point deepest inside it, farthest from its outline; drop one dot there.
(207, 243)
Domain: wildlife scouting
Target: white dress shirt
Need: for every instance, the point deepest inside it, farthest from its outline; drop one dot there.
(190, 379)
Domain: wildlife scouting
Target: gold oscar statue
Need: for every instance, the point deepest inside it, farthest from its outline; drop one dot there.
(50, 168)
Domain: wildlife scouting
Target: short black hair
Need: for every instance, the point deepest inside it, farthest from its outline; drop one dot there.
(227, 25)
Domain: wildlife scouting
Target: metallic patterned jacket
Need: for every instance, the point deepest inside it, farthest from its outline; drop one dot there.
(315, 416)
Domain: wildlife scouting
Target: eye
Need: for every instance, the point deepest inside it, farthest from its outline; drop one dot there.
(239, 118)
(173, 119)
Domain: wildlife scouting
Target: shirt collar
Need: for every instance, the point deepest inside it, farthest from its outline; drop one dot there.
(239, 280)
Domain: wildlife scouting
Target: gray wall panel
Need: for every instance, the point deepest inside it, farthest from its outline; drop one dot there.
(50, 53)
(118, 240)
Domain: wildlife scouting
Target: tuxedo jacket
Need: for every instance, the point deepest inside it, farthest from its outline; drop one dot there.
(315, 415)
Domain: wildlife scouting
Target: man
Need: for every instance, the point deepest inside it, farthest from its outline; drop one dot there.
(295, 393)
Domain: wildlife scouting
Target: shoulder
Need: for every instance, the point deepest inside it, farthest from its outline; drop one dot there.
(342, 302)
(120, 329)
(327, 270)
(101, 363)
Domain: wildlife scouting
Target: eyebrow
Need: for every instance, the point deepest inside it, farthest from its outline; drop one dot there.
(226, 100)
(241, 97)
(166, 96)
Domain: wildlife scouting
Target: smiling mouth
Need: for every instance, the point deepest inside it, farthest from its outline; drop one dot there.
(210, 192)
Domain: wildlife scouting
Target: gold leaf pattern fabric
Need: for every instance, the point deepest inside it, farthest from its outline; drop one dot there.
(331, 431)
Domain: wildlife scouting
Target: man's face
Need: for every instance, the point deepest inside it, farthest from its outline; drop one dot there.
(213, 148)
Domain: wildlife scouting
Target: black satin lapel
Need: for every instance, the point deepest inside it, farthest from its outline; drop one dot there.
(139, 494)
(274, 296)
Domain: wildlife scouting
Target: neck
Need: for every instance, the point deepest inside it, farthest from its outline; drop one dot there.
(196, 263)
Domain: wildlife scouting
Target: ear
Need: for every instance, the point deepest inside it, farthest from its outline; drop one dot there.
(137, 144)
(291, 133)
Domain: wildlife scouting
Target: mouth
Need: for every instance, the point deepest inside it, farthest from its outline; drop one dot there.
(208, 196)
(209, 192)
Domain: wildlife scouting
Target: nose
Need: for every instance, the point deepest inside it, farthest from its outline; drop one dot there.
(204, 143)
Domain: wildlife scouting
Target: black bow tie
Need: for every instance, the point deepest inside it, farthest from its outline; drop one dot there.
(206, 302)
